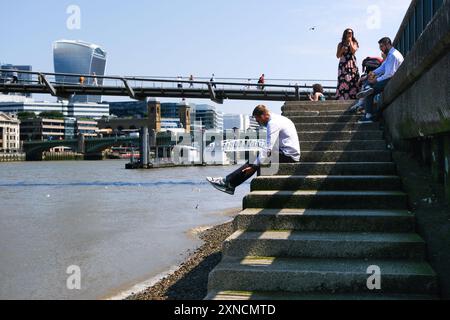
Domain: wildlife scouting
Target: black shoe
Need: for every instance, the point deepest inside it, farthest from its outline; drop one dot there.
(220, 184)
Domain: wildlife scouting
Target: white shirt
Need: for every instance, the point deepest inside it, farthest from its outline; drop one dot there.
(281, 132)
(390, 66)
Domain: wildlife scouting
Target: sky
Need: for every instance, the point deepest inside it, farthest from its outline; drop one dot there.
(232, 39)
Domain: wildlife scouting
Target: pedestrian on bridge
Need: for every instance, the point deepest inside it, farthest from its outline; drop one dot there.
(261, 82)
(94, 80)
(15, 76)
(282, 140)
(212, 81)
(249, 84)
(191, 81)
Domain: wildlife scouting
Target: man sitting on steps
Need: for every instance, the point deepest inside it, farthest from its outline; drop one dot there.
(379, 78)
(281, 132)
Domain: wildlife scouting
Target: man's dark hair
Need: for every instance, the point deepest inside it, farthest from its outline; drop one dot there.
(385, 41)
(260, 110)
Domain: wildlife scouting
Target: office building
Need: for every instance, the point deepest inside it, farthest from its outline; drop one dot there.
(208, 116)
(78, 57)
(125, 109)
(15, 104)
(242, 122)
(22, 77)
(44, 129)
(88, 128)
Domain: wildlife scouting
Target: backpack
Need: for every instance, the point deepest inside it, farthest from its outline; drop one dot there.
(371, 63)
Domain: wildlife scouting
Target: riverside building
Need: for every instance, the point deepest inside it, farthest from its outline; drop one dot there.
(15, 104)
(9, 133)
(43, 129)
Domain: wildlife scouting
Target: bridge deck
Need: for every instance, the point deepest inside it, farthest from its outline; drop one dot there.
(143, 92)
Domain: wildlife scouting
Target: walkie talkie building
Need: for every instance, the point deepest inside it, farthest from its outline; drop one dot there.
(79, 57)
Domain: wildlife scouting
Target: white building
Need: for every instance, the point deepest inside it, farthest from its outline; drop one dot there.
(15, 104)
(207, 115)
(242, 122)
(9, 132)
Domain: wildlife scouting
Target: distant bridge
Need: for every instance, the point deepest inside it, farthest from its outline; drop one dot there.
(140, 88)
(92, 148)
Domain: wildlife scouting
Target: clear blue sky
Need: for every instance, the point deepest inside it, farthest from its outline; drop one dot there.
(233, 38)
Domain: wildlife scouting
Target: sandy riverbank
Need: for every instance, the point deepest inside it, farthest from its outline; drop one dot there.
(190, 280)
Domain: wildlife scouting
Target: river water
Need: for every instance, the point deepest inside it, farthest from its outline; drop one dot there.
(119, 227)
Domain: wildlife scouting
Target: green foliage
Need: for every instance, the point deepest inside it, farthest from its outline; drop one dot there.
(51, 115)
(26, 115)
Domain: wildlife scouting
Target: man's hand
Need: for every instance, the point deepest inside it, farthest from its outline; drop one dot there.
(372, 78)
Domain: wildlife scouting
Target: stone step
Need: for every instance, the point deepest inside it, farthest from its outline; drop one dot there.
(350, 145)
(317, 106)
(325, 119)
(289, 114)
(346, 156)
(329, 276)
(351, 245)
(279, 295)
(326, 200)
(340, 135)
(357, 183)
(337, 168)
(349, 126)
(345, 220)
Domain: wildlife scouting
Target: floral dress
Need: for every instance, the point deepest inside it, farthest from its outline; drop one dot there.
(348, 76)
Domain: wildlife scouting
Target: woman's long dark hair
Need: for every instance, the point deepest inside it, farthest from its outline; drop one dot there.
(344, 36)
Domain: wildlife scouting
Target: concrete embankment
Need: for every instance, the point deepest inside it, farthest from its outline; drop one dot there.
(12, 157)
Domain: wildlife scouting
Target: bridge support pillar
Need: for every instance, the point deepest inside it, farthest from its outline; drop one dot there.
(446, 156)
(81, 143)
(144, 147)
(93, 156)
(35, 156)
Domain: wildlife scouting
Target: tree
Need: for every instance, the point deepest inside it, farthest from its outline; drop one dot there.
(26, 115)
(51, 115)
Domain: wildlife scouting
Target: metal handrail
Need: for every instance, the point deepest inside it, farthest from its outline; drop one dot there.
(146, 79)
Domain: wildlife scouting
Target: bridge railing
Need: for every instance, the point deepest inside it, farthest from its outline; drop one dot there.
(237, 84)
(417, 18)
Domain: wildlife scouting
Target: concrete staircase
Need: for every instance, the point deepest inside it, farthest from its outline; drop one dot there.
(312, 231)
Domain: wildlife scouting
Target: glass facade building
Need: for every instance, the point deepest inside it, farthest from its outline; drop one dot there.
(208, 116)
(22, 77)
(79, 57)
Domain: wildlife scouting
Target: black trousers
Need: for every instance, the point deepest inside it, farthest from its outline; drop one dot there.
(238, 177)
